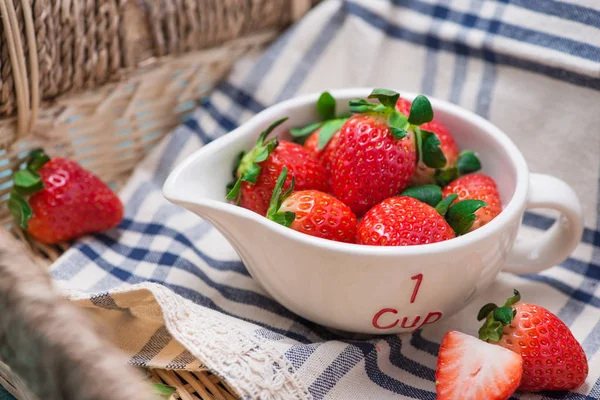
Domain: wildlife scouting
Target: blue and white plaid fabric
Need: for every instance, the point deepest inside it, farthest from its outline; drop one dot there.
(176, 293)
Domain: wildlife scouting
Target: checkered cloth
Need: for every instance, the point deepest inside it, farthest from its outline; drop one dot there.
(176, 294)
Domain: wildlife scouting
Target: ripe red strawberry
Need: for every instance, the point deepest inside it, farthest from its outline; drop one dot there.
(376, 155)
(403, 221)
(259, 169)
(369, 163)
(423, 174)
(312, 212)
(470, 369)
(411, 218)
(65, 200)
(552, 357)
(325, 155)
(478, 187)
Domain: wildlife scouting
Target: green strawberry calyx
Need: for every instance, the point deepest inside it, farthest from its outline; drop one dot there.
(284, 218)
(467, 163)
(460, 216)
(26, 181)
(428, 144)
(247, 168)
(496, 318)
(330, 124)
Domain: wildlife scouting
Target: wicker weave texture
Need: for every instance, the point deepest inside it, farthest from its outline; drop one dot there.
(83, 44)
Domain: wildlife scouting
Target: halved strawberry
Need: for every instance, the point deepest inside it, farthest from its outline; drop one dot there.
(312, 212)
(259, 169)
(471, 369)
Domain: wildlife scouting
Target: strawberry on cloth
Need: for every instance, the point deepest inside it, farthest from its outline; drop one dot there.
(552, 358)
(470, 369)
(55, 200)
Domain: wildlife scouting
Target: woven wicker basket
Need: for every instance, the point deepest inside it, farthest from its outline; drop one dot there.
(101, 82)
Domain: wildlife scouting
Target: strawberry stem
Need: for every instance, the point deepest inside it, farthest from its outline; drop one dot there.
(461, 215)
(420, 111)
(326, 106)
(37, 158)
(428, 194)
(283, 218)
(248, 168)
(26, 182)
(467, 163)
(443, 206)
(496, 318)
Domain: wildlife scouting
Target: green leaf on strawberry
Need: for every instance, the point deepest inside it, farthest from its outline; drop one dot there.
(503, 314)
(485, 310)
(420, 111)
(37, 158)
(326, 106)
(446, 175)
(387, 97)
(467, 163)
(496, 318)
(26, 182)
(20, 209)
(273, 213)
(429, 194)
(305, 130)
(461, 215)
(433, 156)
(443, 206)
(329, 129)
(398, 123)
(248, 168)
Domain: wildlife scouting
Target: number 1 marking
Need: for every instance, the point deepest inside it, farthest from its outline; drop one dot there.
(419, 279)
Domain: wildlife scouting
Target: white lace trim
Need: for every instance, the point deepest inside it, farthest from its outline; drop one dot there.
(248, 363)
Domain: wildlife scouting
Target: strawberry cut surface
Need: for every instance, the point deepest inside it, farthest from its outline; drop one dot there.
(471, 369)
